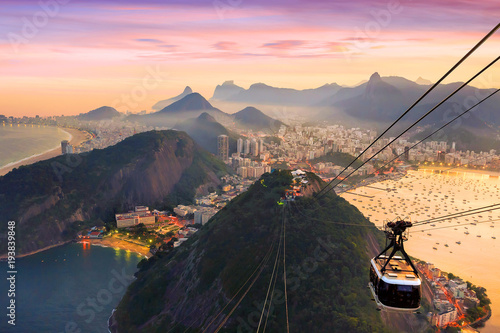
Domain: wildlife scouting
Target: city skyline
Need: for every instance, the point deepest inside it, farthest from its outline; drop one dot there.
(67, 57)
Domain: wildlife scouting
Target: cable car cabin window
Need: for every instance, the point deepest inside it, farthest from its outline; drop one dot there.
(399, 296)
(403, 288)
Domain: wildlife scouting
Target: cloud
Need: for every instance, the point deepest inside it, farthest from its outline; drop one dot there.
(337, 46)
(225, 46)
(149, 40)
(284, 44)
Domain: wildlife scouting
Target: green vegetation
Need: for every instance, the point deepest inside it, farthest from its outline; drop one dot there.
(70, 191)
(480, 294)
(338, 158)
(337, 289)
(185, 190)
(272, 139)
(327, 268)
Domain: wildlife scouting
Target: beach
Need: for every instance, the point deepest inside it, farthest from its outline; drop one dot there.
(104, 242)
(119, 244)
(4, 255)
(76, 138)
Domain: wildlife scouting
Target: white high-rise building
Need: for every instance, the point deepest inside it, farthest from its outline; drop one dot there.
(239, 146)
(254, 148)
(246, 149)
(243, 172)
(223, 147)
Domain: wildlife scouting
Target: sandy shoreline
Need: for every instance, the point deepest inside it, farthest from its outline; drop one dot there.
(76, 138)
(4, 256)
(120, 244)
(105, 242)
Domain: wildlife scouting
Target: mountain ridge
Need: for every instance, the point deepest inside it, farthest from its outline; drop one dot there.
(205, 129)
(261, 93)
(47, 200)
(101, 113)
(254, 119)
(166, 102)
(186, 289)
(190, 106)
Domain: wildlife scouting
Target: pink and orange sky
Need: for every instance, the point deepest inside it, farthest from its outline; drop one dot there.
(70, 56)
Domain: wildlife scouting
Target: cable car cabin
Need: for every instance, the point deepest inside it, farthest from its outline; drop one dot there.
(398, 289)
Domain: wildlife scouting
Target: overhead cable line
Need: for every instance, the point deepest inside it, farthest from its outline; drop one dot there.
(263, 261)
(284, 275)
(460, 225)
(440, 128)
(241, 298)
(278, 252)
(411, 126)
(418, 100)
(462, 214)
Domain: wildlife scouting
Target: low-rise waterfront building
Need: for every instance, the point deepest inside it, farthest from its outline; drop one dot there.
(141, 214)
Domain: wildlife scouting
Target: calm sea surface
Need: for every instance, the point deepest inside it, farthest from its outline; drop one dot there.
(20, 142)
(423, 195)
(68, 288)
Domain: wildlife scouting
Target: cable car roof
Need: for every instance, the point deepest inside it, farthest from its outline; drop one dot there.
(398, 271)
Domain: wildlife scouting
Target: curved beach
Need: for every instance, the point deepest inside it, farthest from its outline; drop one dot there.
(76, 138)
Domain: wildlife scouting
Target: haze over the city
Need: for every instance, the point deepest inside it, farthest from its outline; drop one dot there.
(68, 57)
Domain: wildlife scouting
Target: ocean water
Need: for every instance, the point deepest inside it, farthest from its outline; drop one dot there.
(20, 142)
(71, 288)
(424, 195)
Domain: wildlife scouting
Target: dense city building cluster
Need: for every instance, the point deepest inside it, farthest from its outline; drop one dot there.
(451, 298)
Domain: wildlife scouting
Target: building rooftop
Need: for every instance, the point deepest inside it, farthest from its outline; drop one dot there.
(133, 215)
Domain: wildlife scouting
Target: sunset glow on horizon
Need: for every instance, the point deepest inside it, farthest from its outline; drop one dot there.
(68, 57)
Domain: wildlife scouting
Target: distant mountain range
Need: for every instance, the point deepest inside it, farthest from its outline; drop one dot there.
(260, 93)
(189, 106)
(383, 99)
(374, 103)
(51, 200)
(102, 113)
(224, 91)
(380, 99)
(183, 112)
(166, 102)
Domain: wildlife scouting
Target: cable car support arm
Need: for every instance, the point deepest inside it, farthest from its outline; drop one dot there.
(397, 238)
